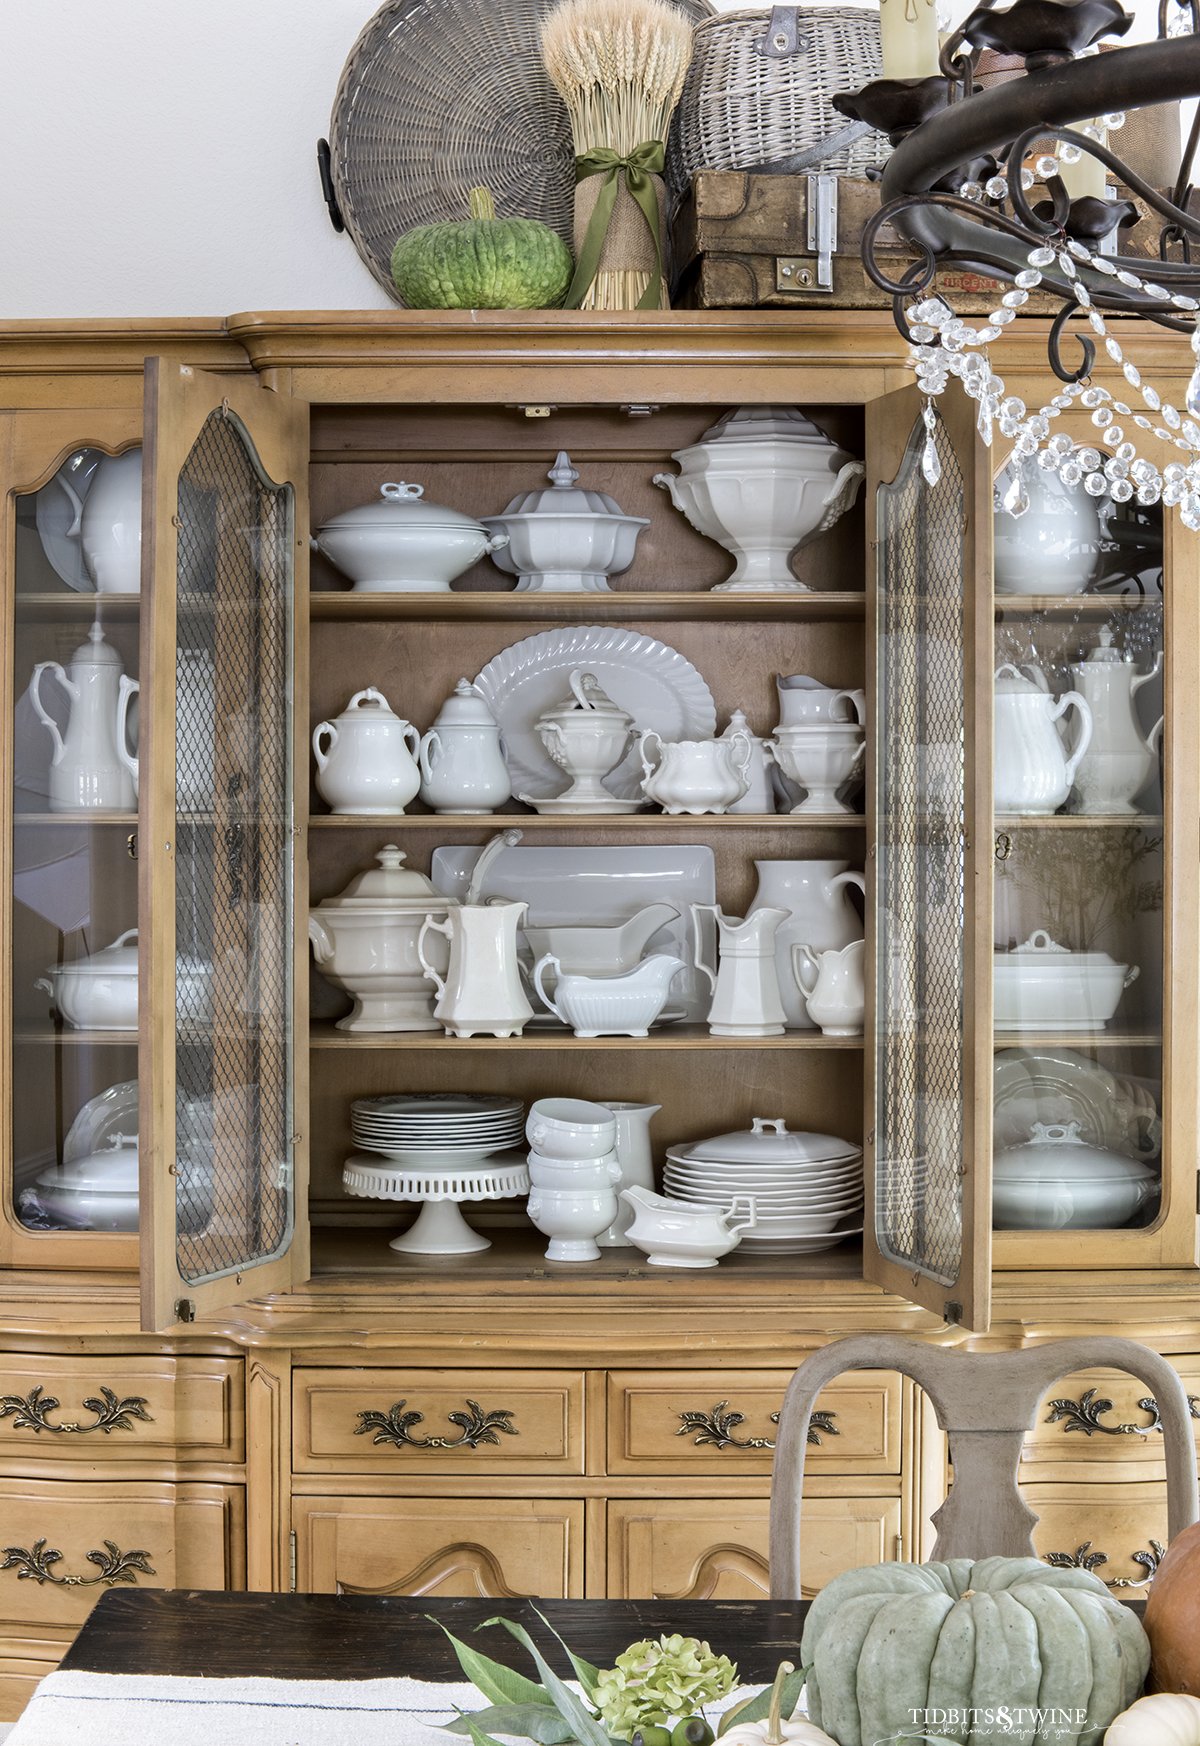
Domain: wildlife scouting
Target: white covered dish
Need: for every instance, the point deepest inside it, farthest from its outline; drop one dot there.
(1040, 985)
(98, 1192)
(99, 992)
(365, 940)
(565, 540)
(766, 1142)
(1057, 1181)
(403, 545)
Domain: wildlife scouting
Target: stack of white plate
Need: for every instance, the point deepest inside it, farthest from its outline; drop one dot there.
(807, 1188)
(448, 1130)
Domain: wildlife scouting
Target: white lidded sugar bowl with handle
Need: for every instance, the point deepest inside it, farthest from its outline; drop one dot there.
(1032, 771)
(367, 757)
(462, 756)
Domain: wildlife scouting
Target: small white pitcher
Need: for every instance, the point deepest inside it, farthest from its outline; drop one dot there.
(834, 986)
(738, 958)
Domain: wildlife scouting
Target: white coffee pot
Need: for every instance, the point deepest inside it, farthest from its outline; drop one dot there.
(1032, 771)
(481, 992)
(462, 756)
(108, 523)
(92, 766)
(366, 757)
(738, 958)
(696, 776)
(1119, 757)
(834, 987)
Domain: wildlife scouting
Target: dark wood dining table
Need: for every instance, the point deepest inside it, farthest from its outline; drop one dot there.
(190, 1633)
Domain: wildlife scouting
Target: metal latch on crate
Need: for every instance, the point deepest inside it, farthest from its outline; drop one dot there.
(782, 36)
(813, 271)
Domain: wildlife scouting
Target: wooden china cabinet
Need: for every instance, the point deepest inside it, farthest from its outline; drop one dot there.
(256, 1390)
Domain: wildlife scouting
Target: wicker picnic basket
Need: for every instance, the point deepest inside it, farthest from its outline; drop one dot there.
(438, 97)
(759, 92)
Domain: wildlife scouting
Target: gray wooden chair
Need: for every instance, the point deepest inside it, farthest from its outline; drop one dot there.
(985, 1402)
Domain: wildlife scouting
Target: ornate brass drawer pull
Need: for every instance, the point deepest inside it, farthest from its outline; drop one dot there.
(1085, 1415)
(1083, 1558)
(36, 1565)
(31, 1412)
(476, 1427)
(716, 1428)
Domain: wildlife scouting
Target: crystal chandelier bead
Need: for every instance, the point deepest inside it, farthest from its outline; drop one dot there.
(1078, 250)
(988, 333)
(1068, 153)
(1067, 265)
(1012, 407)
(1102, 416)
(1150, 492)
(1143, 471)
(1046, 167)
(1093, 397)
(1039, 426)
(1125, 452)
(1128, 278)
(1060, 444)
(1116, 468)
(1082, 295)
(1027, 179)
(1047, 461)
(1158, 291)
(1028, 277)
(996, 188)
(1131, 374)
(1192, 397)
(1002, 316)
(1120, 491)
(1042, 256)
(1171, 417)
(1142, 422)
(972, 191)
(1181, 301)
(1102, 264)
(1151, 397)
(922, 333)
(1173, 473)
(1089, 459)
(1015, 299)
(1114, 121)
(1070, 472)
(1114, 350)
(1095, 484)
(1016, 498)
(1114, 436)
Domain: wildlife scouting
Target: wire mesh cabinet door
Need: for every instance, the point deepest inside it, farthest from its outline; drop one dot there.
(223, 1090)
(928, 1058)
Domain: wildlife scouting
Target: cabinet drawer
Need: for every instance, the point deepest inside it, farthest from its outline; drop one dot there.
(1116, 1531)
(96, 1410)
(1105, 1415)
(498, 1548)
(65, 1542)
(716, 1548)
(702, 1421)
(438, 1421)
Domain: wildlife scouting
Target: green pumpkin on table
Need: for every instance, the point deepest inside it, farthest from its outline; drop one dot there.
(482, 262)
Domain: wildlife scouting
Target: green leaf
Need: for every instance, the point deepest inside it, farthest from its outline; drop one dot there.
(479, 1736)
(587, 1675)
(584, 1726)
(540, 1722)
(757, 1709)
(500, 1684)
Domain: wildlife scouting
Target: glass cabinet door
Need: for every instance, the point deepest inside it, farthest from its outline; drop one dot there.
(222, 883)
(71, 894)
(929, 1066)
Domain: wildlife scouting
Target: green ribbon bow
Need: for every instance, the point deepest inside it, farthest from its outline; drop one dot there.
(643, 162)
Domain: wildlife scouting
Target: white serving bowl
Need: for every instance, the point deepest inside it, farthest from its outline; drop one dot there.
(564, 540)
(564, 1128)
(402, 545)
(1043, 986)
(1058, 1181)
(572, 1219)
(99, 992)
(576, 1174)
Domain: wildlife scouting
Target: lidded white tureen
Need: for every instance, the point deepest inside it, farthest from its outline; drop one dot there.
(99, 992)
(400, 544)
(766, 1142)
(762, 481)
(1056, 1180)
(587, 735)
(565, 540)
(365, 940)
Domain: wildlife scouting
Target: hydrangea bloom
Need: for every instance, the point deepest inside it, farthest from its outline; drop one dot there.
(656, 1684)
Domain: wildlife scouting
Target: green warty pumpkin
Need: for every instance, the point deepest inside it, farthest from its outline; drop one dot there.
(1008, 1645)
(482, 262)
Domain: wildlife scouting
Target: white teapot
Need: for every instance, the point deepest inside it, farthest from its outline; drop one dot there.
(92, 765)
(462, 756)
(369, 764)
(696, 776)
(1032, 772)
(1121, 755)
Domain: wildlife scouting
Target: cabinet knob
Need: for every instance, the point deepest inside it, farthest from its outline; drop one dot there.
(475, 1427)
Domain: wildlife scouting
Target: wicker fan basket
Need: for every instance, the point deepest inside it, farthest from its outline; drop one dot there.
(742, 108)
(438, 97)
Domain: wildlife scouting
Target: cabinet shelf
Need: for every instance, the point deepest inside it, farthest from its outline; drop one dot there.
(71, 820)
(1049, 1039)
(113, 608)
(1077, 605)
(616, 608)
(326, 1036)
(45, 1036)
(1125, 821)
(638, 821)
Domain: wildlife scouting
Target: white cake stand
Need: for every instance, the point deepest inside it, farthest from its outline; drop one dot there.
(440, 1228)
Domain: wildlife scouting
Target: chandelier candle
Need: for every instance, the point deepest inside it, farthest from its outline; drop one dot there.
(909, 38)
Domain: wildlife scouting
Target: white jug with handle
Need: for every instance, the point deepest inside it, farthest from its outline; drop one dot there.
(738, 958)
(92, 767)
(110, 524)
(1032, 774)
(481, 992)
(814, 893)
(834, 987)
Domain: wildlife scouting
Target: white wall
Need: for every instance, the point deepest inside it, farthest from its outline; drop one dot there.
(157, 157)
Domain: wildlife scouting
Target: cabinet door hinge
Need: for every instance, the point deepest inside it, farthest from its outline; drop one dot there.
(292, 1562)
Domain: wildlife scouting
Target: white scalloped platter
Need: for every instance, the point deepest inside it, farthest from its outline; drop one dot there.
(657, 685)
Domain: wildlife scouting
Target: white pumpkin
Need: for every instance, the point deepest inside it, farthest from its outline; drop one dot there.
(1166, 1719)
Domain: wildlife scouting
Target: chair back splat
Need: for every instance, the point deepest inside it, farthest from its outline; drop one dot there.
(985, 1402)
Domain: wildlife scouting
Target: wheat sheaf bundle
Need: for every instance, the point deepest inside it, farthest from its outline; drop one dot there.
(619, 66)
